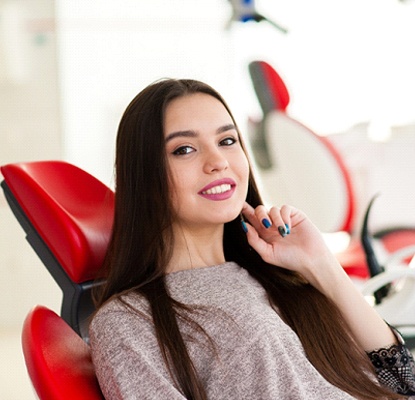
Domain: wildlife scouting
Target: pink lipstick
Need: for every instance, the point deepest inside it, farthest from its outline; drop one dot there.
(218, 190)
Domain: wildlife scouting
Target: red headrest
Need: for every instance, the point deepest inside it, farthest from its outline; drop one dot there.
(70, 209)
(269, 86)
(277, 86)
(57, 359)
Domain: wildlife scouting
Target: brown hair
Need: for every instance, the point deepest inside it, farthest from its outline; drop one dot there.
(142, 241)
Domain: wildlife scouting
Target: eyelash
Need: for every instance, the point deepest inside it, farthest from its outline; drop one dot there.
(184, 150)
(232, 139)
(181, 151)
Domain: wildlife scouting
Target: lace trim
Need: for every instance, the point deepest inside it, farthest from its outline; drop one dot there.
(395, 368)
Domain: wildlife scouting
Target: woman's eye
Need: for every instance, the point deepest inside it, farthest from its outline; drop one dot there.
(228, 141)
(183, 150)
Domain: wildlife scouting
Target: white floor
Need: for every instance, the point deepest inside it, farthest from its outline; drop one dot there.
(14, 381)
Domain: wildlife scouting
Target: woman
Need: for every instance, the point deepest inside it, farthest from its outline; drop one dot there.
(210, 295)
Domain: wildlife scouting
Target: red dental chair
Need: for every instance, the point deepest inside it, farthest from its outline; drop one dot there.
(67, 216)
(299, 167)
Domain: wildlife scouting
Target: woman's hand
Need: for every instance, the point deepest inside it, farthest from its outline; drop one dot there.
(303, 250)
(287, 238)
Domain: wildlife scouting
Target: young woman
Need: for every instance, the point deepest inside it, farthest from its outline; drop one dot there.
(209, 294)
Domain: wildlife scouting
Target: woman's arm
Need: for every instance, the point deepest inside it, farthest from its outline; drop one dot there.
(303, 250)
(395, 367)
(286, 237)
(368, 328)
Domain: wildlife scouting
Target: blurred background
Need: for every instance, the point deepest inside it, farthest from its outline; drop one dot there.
(68, 69)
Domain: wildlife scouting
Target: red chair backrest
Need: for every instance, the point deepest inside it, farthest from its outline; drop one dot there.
(57, 359)
(308, 173)
(70, 209)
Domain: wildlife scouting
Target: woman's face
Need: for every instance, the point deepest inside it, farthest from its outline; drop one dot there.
(208, 168)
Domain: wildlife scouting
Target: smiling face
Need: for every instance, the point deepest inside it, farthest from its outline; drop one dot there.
(207, 165)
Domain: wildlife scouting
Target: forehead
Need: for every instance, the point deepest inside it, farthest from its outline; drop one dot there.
(195, 111)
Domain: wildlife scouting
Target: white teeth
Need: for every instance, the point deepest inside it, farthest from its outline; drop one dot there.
(218, 189)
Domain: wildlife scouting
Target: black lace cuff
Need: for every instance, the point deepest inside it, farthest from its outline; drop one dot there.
(395, 368)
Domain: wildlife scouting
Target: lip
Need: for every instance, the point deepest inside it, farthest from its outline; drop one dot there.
(219, 196)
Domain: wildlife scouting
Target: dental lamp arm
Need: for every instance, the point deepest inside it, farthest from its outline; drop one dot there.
(244, 10)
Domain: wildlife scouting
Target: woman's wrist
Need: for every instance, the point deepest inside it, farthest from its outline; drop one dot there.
(367, 326)
(328, 277)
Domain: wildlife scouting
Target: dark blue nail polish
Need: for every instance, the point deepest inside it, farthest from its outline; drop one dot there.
(282, 231)
(287, 229)
(266, 223)
(244, 227)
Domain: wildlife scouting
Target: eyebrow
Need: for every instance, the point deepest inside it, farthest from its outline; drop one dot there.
(191, 133)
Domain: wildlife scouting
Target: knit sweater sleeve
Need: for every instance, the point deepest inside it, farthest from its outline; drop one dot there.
(119, 354)
(395, 366)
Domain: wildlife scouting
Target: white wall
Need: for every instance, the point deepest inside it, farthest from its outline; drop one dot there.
(29, 130)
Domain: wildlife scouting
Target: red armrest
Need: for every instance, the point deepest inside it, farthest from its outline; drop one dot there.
(57, 359)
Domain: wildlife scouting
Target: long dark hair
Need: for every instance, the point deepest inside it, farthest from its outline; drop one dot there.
(142, 241)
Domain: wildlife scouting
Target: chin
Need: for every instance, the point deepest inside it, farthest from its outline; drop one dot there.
(231, 217)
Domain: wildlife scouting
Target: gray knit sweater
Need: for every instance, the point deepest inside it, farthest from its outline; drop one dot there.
(256, 356)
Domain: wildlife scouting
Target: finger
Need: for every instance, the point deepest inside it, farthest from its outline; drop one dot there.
(286, 214)
(250, 215)
(258, 244)
(262, 215)
(279, 221)
(259, 217)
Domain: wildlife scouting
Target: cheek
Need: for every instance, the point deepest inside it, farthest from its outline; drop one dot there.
(243, 168)
(177, 180)
(174, 175)
(177, 188)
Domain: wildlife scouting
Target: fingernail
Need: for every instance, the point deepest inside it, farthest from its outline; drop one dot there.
(282, 231)
(287, 229)
(244, 227)
(266, 223)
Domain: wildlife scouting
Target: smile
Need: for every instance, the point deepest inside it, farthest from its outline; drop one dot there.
(221, 189)
(218, 189)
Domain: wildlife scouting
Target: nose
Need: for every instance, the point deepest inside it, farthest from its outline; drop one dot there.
(215, 161)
